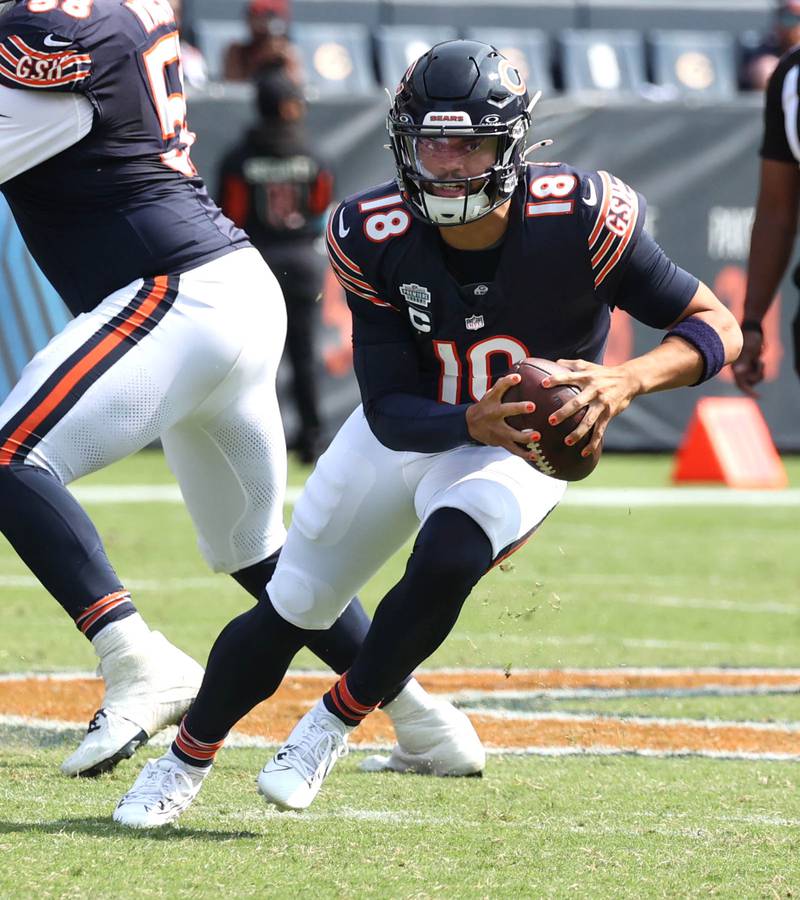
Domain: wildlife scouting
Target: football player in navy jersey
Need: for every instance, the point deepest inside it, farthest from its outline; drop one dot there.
(470, 262)
(178, 329)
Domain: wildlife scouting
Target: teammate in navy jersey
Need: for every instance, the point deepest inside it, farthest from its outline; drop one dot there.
(470, 262)
(178, 331)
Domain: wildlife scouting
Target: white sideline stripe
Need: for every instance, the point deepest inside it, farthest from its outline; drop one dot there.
(594, 497)
(165, 585)
(127, 493)
(234, 740)
(474, 696)
(661, 721)
(636, 671)
(599, 750)
(696, 603)
(668, 693)
(405, 818)
(639, 497)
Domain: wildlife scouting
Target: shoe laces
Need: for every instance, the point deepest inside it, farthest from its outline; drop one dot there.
(160, 781)
(316, 747)
(95, 724)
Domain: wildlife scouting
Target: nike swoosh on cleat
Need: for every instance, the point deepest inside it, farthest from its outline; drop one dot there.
(52, 41)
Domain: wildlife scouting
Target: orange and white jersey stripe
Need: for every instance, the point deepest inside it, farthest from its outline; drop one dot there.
(24, 66)
(348, 273)
(614, 226)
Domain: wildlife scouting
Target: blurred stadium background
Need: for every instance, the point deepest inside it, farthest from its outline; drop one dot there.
(647, 89)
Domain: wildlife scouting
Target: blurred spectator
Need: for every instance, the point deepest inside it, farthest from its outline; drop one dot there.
(269, 46)
(194, 68)
(761, 60)
(273, 186)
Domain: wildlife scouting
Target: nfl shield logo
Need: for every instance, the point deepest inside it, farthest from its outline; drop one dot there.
(473, 323)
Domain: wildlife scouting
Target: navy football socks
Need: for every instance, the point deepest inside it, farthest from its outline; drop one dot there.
(451, 554)
(338, 645)
(56, 539)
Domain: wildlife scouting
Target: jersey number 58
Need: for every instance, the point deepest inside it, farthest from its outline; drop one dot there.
(162, 63)
(78, 9)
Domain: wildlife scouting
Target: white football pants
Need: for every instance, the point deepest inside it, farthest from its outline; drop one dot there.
(191, 359)
(363, 501)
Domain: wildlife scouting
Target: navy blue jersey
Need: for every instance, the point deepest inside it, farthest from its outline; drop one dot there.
(564, 264)
(125, 202)
(781, 141)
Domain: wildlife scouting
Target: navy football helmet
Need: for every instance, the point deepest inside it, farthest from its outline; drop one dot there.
(458, 125)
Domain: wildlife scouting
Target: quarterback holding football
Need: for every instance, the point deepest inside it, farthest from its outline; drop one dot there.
(473, 260)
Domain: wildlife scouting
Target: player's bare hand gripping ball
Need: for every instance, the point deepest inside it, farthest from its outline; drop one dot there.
(603, 391)
(486, 419)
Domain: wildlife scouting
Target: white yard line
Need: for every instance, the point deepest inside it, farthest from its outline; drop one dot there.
(234, 740)
(595, 497)
(683, 496)
(655, 692)
(164, 585)
(601, 671)
(662, 721)
(767, 606)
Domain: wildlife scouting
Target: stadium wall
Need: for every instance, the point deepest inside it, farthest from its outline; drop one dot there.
(696, 164)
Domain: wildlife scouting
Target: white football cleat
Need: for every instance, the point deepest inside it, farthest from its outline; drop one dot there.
(163, 790)
(293, 777)
(145, 691)
(433, 738)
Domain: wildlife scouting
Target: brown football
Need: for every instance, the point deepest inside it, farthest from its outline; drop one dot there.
(552, 455)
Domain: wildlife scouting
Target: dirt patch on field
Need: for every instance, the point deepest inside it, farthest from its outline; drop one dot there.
(74, 700)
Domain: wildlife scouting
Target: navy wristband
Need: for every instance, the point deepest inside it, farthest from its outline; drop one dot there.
(705, 339)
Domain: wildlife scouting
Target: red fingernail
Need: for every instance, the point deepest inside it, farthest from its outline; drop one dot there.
(545, 382)
(552, 420)
(569, 441)
(531, 407)
(536, 436)
(585, 453)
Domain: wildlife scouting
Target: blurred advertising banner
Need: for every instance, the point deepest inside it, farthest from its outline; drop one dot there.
(697, 165)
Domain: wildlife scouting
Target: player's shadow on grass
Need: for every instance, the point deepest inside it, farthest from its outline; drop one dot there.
(105, 827)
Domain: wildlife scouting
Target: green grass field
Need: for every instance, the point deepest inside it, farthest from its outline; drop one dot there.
(692, 586)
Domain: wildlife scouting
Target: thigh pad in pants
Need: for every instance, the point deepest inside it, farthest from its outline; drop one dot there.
(502, 493)
(356, 510)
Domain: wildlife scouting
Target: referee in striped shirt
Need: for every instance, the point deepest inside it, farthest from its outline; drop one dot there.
(775, 223)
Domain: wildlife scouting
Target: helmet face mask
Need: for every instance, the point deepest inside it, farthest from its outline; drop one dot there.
(457, 128)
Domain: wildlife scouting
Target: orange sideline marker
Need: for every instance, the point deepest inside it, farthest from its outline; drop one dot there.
(728, 441)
